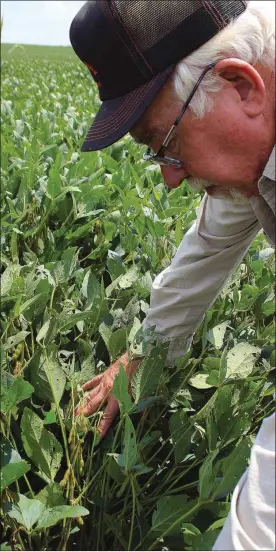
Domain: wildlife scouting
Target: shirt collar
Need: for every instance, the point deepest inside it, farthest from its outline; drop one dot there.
(269, 170)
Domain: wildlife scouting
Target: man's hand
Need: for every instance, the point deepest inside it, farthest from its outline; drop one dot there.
(100, 393)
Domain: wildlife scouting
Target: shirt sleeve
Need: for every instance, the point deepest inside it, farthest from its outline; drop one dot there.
(204, 261)
(250, 524)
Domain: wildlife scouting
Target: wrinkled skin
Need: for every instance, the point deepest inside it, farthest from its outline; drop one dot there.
(100, 394)
(230, 146)
(226, 150)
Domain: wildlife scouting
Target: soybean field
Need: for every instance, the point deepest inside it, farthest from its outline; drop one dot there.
(83, 236)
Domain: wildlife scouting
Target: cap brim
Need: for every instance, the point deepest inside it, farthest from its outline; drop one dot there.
(116, 117)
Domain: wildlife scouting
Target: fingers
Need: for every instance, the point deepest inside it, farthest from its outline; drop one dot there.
(109, 415)
(89, 405)
(92, 401)
(92, 383)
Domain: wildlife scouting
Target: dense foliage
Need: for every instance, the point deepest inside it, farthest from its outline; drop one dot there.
(83, 236)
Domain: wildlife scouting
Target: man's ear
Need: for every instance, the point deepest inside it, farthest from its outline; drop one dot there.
(247, 82)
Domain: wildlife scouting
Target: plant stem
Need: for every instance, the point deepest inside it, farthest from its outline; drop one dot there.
(179, 520)
(52, 297)
(133, 513)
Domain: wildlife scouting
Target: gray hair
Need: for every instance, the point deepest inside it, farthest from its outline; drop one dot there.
(251, 38)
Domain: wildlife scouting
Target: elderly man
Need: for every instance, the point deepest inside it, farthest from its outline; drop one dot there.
(194, 81)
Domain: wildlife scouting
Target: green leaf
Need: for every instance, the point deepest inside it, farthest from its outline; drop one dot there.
(51, 496)
(40, 445)
(148, 402)
(8, 277)
(207, 475)
(50, 417)
(129, 445)
(146, 378)
(205, 541)
(26, 512)
(114, 470)
(14, 340)
(47, 376)
(19, 391)
(232, 468)
(247, 298)
(27, 304)
(128, 279)
(171, 510)
(12, 465)
(222, 367)
(54, 185)
(117, 343)
(43, 331)
(69, 320)
(181, 433)
(90, 288)
(189, 531)
(120, 391)
(52, 516)
(211, 432)
(178, 232)
(241, 360)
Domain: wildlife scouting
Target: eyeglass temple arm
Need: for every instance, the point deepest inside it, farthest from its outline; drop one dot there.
(177, 121)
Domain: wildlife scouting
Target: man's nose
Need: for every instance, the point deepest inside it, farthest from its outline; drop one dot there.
(173, 176)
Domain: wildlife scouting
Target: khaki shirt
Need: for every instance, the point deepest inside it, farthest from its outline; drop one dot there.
(207, 257)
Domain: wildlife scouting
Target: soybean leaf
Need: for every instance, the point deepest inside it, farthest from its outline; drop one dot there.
(231, 468)
(52, 516)
(19, 391)
(146, 403)
(211, 431)
(205, 541)
(207, 475)
(171, 512)
(90, 288)
(216, 335)
(64, 268)
(120, 391)
(114, 470)
(200, 381)
(8, 277)
(240, 360)
(128, 279)
(49, 330)
(26, 511)
(40, 445)
(12, 465)
(189, 531)
(129, 445)
(181, 433)
(51, 495)
(14, 340)
(147, 376)
(117, 342)
(27, 304)
(222, 367)
(47, 376)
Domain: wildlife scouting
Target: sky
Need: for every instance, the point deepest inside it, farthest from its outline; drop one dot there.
(38, 22)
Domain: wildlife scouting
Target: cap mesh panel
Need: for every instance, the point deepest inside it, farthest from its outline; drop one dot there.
(148, 21)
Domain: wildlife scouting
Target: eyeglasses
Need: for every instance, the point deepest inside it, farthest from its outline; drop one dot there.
(159, 158)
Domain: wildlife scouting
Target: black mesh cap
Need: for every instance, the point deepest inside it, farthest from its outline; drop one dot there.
(131, 48)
